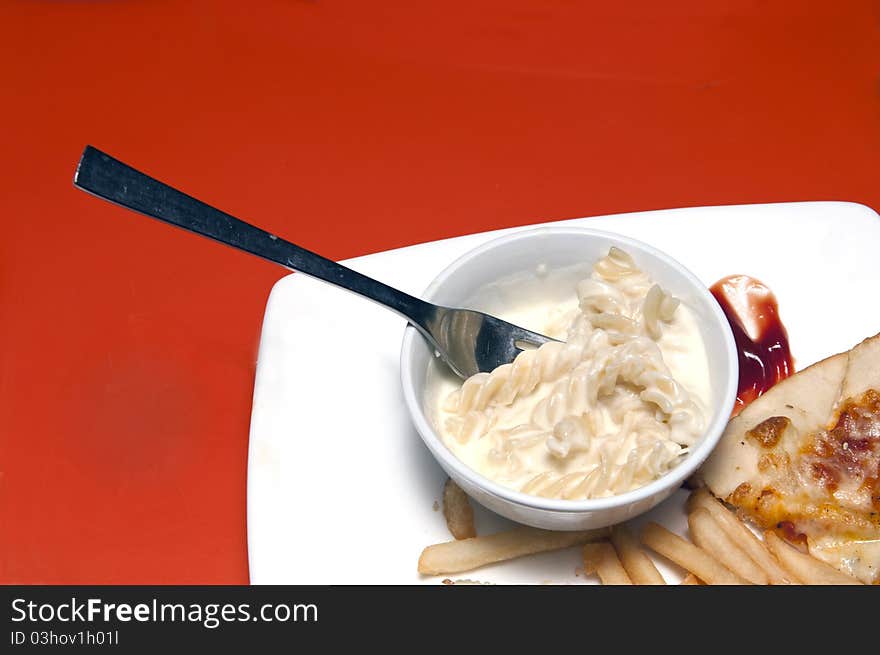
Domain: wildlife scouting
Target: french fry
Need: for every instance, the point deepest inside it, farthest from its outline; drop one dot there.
(458, 511)
(688, 556)
(638, 565)
(708, 535)
(805, 567)
(468, 554)
(691, 579)
(741, 536)
(465, 581)
(601, 559)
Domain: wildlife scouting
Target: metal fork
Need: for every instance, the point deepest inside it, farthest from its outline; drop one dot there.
(468, 341)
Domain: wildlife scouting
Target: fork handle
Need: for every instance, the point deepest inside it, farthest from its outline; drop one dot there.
(100, 174)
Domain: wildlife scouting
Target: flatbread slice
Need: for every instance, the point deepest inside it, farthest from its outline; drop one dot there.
(804, 459)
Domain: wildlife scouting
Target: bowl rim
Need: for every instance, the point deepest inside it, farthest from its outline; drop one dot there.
(673, 478)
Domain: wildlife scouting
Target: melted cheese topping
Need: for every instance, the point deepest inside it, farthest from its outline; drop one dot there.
(824, 486)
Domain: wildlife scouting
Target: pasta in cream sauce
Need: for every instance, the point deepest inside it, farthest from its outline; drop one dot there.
(612, 407)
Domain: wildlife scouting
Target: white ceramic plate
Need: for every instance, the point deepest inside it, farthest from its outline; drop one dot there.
(341, 489)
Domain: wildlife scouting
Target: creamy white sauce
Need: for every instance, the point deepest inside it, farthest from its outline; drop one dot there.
(614, 408)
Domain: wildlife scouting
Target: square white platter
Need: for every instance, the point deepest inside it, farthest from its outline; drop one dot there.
(341, 489)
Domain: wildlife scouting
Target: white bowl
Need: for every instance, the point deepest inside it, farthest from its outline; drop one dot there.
(555, 248)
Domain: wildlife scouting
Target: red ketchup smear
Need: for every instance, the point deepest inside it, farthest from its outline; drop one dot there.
(761, 339)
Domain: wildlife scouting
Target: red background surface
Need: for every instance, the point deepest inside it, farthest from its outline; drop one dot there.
(128, 348)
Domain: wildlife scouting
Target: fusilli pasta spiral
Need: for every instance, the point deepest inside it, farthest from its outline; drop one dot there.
(598, 415)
